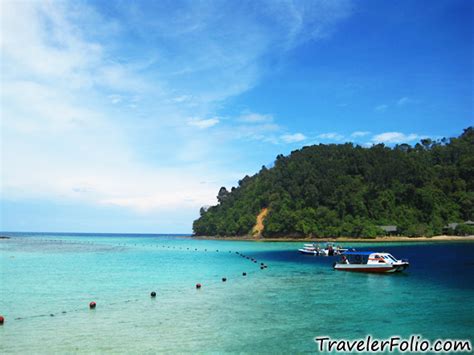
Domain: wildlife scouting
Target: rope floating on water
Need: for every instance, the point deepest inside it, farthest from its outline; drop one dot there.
(92, 305)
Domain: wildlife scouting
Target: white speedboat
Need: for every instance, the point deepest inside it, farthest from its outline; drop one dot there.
(369, 261)
(311, 249)
(331, 250)
(315, 249)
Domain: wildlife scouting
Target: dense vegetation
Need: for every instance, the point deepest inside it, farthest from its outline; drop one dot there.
(347, 190)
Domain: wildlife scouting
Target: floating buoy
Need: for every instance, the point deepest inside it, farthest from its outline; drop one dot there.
(198, 285)
(2, 320)
(244, 274)
(224, 279)
(153, 294)
(92, 305)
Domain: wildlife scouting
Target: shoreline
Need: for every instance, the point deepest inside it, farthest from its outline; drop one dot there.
(439, 238)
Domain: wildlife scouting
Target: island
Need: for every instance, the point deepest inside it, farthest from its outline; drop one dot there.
(346, 192)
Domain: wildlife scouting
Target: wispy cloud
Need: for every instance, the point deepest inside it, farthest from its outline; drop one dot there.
(203, 123)
(252, 117)
(331, 136)
(108, 98)
(182, 98)
(358, 134)
(394, 137)
(293, 138)
(398, 103)
(405, 101)
(381, 108)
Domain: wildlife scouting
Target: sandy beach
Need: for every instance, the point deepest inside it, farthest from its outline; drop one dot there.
(439, 238)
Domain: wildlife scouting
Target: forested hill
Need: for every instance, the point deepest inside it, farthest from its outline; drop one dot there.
(347, 190)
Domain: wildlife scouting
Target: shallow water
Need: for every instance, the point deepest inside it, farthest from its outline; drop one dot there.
(48, 280)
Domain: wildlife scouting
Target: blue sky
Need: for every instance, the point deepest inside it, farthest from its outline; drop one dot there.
(128, 116)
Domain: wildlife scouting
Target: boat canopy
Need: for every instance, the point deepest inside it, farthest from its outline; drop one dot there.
(359, 252)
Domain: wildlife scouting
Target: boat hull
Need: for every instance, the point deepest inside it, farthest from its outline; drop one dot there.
(389, 268)
(309, 252)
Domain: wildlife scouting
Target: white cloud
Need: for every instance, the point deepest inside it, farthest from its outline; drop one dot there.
(357, 134)
(293, 138)
(115, 99)
(182, 98)
(264, 132)
(381, 108)
(331, 136)
(203, 123)
(252, 117)
(405, 101)
(60, 140)
(394, 137)
(89, 117)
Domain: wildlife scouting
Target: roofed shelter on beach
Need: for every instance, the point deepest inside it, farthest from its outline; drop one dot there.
(390, 230)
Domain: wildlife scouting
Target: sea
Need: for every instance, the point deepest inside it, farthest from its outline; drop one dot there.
(47, 281)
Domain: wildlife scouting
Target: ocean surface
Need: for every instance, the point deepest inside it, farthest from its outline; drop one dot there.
(48, 280)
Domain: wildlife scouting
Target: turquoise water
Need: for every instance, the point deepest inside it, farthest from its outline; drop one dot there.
(47, 282)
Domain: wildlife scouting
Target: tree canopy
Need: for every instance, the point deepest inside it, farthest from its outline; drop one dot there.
(348, 190)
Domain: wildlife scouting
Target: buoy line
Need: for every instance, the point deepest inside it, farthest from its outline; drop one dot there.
(93, 304)
(151, 245)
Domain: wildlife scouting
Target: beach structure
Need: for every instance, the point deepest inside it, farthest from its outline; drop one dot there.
(450, 227)
(389, 230)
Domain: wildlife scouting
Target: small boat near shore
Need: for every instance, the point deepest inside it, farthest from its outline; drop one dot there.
(368, 261)
(328, 250)
(309, 249)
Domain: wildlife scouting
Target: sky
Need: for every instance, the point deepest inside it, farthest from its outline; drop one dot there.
(128, 116)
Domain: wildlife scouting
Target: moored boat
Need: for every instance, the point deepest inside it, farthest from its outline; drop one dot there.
(328, 250)
(368, 261)
(311, 249)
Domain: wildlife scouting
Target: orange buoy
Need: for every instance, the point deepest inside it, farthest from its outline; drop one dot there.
(198, 285)
(153, 294)
(92, 305)
(2, 320)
